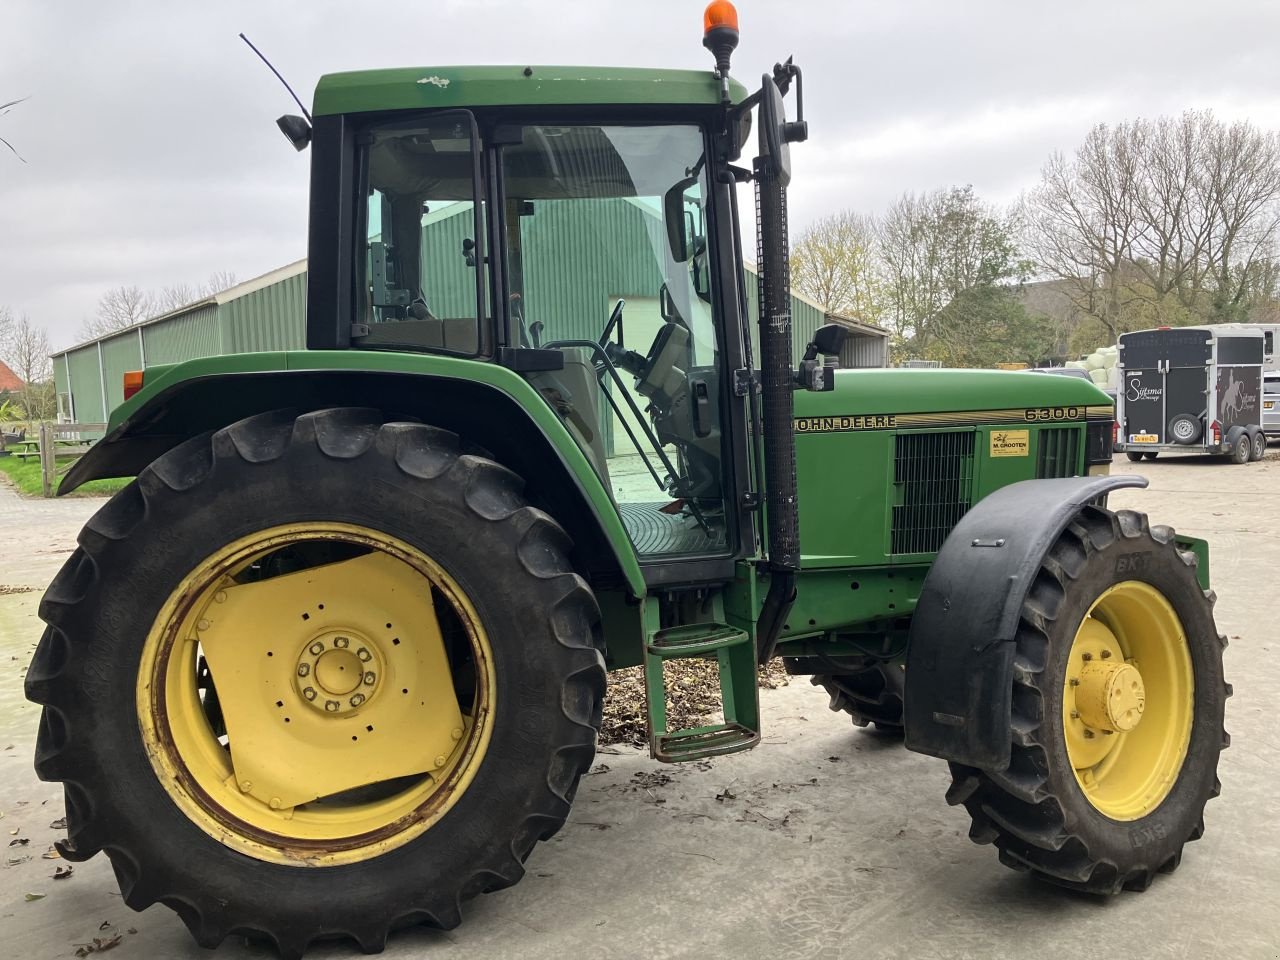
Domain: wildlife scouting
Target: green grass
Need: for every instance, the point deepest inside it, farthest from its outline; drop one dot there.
(24, 473)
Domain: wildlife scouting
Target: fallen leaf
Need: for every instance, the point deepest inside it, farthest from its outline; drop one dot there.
(59, 824)
(726, 794)
(14, 861)
(20, 842)
(62, 873)
(13, 832)
(133, 929)
(833, 759)
(31, 897)
(51, 854)
(104, 924)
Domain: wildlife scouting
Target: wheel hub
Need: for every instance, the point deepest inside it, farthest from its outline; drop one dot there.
(1110, 696)
(338, 672)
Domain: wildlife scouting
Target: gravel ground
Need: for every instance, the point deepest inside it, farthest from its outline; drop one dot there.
(823, 842)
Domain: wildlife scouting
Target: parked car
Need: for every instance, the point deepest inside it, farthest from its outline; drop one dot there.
(1079, 375)
(1271, 404)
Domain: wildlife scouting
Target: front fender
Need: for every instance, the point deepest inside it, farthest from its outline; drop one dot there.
(960, 645)
(488, 405)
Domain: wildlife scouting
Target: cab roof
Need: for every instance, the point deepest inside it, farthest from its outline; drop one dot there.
(410, 88)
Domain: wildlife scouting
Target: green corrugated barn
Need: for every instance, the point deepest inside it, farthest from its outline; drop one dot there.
(267, 313)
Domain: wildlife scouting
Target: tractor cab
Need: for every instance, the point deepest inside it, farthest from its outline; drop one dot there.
(590, 248)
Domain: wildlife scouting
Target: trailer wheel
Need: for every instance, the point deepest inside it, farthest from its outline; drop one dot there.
(1185, 429)
(1133, 455)
(1152, 455)
(1242, 448)
(1257, 446)
(1117, 720)
(317, 677)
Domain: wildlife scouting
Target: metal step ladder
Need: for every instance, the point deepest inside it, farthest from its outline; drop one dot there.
(736, 654)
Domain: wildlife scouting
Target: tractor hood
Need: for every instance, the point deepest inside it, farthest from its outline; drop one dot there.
(903, 399)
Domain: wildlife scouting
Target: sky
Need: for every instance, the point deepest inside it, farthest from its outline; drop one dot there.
(152, 156)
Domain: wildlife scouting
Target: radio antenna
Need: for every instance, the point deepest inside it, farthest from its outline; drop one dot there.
(278, 77)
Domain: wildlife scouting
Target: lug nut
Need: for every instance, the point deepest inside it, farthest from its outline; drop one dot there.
(1106, 654)
(440, 762)
(370, 678)
(457, 733)
(220, 597)
(317, 648)
(357, 699)
(275, 803)
(245, 786)
(1074, 681)
(364, 654)
(1075, 714)
(341, 641)
(202, 625)
(304, 669)
(1086, 656)
(1088, 734)
(309, 693)
(332, 706)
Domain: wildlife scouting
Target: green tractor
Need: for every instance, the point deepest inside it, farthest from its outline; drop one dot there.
(334, 662)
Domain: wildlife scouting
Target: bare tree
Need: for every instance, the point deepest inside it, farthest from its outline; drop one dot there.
(25, 348)
(1173, 220)
(835, 262)
(118, 308)
(937, 247)
(5, 108)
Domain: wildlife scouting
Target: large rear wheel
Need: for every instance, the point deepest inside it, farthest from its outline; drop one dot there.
(1117, 721)
(317, 677)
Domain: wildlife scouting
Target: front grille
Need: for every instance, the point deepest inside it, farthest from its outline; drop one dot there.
(1058, 452)
(933, 480)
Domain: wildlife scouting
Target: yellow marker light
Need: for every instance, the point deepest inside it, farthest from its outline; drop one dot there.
(132, 382)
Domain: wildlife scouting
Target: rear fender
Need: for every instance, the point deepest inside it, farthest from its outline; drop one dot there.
(960, 646)
(487, 405)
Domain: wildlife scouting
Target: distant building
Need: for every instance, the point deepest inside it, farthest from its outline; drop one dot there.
(9, 381)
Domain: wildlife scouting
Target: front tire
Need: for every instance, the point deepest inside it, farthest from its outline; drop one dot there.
(332, 544)
(1103, 787)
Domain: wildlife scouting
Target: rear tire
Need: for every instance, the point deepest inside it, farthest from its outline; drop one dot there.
(1152, 455)
(1242, 449)
(1075, 825)
(1257, 446)
(1133, 455)
(538, 618)
(870, 695)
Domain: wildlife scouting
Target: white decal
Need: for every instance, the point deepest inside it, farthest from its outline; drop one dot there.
(1137, 391)
(436, 81)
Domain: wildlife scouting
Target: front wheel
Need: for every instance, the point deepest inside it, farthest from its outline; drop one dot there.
(1117, 720)
(317, 677)
(872, 694)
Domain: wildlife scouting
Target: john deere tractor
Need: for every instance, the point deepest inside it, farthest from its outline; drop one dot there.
(333, 663)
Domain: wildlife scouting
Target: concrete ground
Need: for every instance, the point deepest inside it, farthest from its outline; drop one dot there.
(824, 842)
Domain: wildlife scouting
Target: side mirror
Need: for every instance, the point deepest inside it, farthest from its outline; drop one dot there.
(679, 236)
(829, 338)
(296, 130)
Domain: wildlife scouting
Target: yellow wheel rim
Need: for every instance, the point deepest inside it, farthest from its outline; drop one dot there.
(316, 693)
(1128, 701)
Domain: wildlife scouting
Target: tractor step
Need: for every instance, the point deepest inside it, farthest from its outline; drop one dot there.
(735, 653)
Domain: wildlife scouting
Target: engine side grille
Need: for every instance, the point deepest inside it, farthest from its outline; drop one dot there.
(1059, 452)
(933, 477)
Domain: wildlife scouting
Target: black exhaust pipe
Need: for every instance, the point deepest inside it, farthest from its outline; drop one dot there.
(777, 383)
